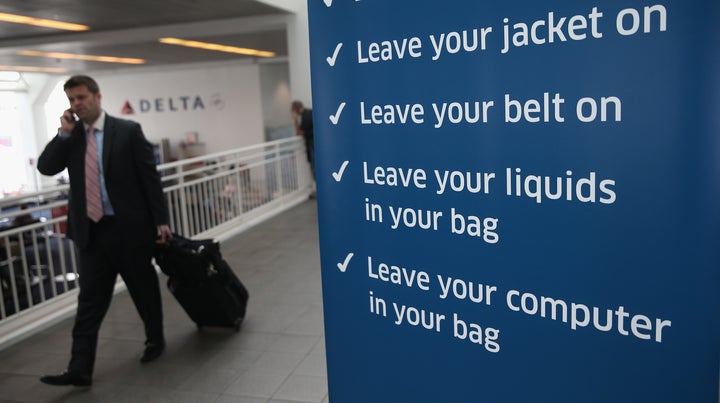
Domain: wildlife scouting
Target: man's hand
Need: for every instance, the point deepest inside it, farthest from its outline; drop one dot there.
(165, 233)
(67, 122)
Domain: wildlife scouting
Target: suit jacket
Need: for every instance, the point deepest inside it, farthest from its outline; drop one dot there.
(131, 179)
(306, 125)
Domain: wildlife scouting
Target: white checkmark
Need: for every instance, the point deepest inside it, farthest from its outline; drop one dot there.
(344, 265)
(328, 2)
(336, 117)
(339, 174)
(331, 59)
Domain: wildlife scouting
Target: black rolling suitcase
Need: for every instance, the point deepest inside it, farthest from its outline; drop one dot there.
(202, 282)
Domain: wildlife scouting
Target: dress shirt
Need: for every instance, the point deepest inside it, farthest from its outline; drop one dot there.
(99, 124)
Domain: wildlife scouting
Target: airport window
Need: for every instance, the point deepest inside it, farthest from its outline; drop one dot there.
(56, 103)
(11, 145)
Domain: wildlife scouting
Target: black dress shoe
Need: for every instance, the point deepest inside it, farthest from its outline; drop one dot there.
(152, 351)
(67, 378)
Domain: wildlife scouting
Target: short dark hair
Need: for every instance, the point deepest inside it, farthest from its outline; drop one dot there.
(296, 106)
(76, 81)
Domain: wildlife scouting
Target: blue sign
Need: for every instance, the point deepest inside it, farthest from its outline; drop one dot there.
(519, 202)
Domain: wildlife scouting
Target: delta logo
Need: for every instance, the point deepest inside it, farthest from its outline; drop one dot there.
(185, 103)
(127, 109)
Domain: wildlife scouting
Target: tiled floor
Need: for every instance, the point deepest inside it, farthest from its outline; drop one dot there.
(278, 356)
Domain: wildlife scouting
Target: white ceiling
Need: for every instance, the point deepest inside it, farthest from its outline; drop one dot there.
(130, 28)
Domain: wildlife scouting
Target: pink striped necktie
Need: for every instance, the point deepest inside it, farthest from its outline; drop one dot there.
(92, 179)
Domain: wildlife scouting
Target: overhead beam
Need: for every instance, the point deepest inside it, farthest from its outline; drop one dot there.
(134, 35)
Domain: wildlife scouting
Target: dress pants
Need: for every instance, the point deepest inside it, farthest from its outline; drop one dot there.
(310, 153)
(108, 254)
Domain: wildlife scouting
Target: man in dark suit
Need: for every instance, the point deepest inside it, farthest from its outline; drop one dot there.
(303, 120)
(116, 213)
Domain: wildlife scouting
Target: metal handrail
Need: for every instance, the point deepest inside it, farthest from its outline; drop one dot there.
(212, 196)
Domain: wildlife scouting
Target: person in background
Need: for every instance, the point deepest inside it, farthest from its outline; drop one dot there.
(116, 212)
(303, 120)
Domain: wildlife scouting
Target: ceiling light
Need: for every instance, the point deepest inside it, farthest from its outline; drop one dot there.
(39, 22)
(73, 56)
(33, 69)
(217, 47)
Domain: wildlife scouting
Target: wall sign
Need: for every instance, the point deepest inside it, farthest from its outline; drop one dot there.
(219, 102)
(518, 202)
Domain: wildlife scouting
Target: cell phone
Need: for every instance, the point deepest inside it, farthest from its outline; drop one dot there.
(72, 118)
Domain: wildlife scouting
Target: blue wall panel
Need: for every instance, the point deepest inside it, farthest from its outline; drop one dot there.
(556, 237)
